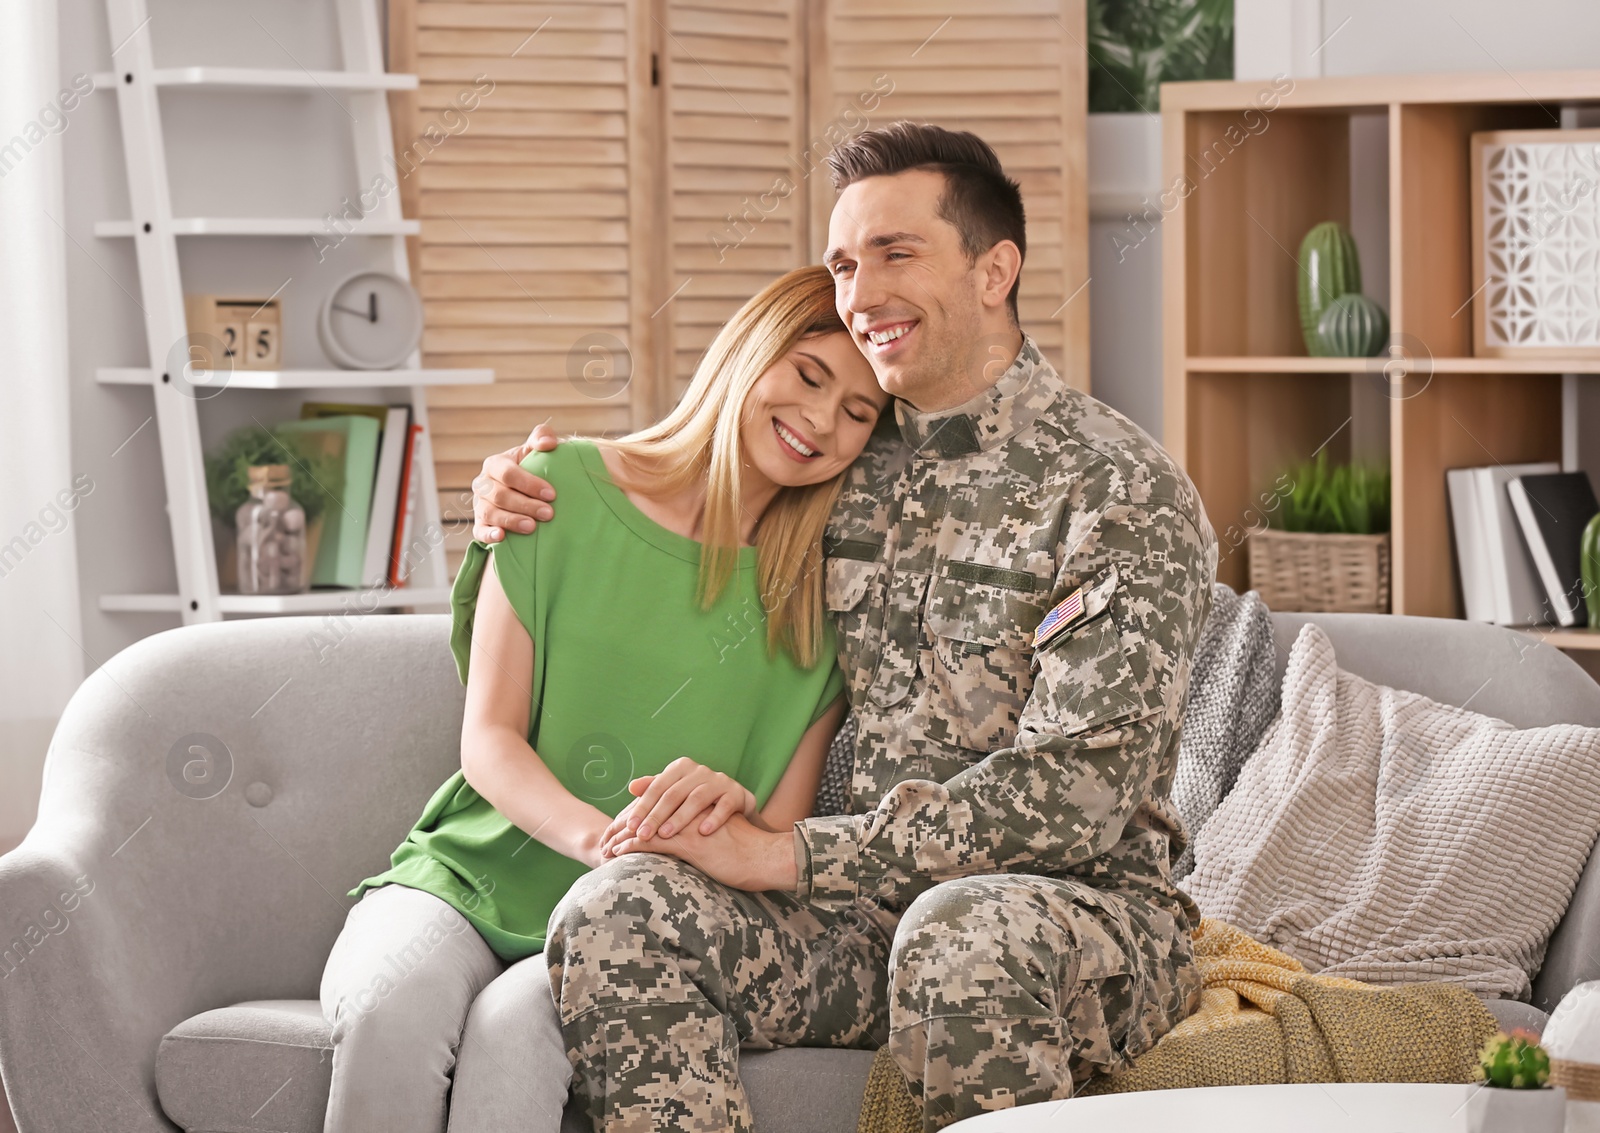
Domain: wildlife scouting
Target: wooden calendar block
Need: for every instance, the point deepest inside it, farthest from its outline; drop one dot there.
(261, 343)
(230, 332)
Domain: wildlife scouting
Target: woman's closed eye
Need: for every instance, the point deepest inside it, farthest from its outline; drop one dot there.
(814, 384)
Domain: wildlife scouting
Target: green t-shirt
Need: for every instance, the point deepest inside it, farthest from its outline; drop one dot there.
(629, 673)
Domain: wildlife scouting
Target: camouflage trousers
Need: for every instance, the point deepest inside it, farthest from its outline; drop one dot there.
(991, 992)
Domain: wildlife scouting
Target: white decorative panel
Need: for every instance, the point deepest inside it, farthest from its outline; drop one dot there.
(1536, 246)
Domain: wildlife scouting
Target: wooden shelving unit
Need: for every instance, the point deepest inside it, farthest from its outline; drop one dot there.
(1242, 399)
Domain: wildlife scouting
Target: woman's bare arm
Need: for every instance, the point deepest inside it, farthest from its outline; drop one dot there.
(496, 758)
(795, 796)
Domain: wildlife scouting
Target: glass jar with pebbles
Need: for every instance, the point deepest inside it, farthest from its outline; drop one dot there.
(272, 534)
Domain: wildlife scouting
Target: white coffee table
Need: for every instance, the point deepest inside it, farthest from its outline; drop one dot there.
(1333, 1108)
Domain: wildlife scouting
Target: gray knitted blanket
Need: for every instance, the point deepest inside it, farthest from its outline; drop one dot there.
(833, 793)
(1233, 696)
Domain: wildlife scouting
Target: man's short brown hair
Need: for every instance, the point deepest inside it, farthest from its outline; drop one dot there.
(980, 201)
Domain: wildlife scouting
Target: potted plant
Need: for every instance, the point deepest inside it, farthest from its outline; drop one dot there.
(1516, 1097)
(1136, 45)
(228, 485)
(1327, 549)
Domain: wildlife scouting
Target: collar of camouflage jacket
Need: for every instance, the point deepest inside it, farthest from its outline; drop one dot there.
(1027, 387)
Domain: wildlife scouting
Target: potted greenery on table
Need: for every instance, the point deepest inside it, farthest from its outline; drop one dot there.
(1516, 1097)
(228, 485)
(1328, 547)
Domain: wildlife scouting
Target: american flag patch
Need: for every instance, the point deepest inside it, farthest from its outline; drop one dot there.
(1059, 618)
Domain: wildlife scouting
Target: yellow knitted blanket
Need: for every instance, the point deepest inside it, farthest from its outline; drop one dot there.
(1263, 1019)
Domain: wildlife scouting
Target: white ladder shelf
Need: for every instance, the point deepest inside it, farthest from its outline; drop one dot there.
(155, 232)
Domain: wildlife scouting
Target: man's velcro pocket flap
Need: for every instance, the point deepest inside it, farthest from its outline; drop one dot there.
(1097, 594)
(1000, 609)
(845, 582)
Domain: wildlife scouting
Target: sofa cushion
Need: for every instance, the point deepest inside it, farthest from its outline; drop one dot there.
(257, 1066)
(266, 1066)
(805, 1089)
(1379, 835)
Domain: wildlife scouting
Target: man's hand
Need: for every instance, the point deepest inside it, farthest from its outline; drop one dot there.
(506, 496)
(737, 854)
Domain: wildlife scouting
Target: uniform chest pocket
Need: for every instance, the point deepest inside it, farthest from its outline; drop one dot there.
(846, 583)
(978, 639)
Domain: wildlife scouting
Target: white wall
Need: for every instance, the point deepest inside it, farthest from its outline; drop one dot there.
(1368, 37)
(1125, 265)
(44, 491)
(1379, 37)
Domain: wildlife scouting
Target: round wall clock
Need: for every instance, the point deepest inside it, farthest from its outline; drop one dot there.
(371, 321)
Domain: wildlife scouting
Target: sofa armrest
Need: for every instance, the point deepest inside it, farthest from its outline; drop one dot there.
(77, 1008)
(1573, 953)
(153, 887)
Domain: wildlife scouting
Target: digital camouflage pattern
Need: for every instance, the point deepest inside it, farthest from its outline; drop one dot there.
(661, 974)
(1008, 850)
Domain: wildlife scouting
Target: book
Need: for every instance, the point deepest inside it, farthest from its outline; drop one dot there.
(411, 486)
(342, 551)
(1472, 552)
(392, 442)
(312, 410)
(1553, 509)
(1519, 598)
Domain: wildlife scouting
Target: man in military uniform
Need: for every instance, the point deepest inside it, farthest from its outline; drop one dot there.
(1018, 575)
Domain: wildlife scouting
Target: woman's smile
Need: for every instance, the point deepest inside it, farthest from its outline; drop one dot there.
(794, 444)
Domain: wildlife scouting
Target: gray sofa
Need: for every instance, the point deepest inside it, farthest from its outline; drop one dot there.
(162, 948)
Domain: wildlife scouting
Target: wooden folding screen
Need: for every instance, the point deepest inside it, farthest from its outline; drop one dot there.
(631, 170)
(733, 95)
(1011, 71)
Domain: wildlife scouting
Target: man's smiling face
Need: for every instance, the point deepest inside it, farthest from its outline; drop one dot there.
(908, 293)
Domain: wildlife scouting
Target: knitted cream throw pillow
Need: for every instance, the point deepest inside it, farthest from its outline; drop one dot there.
(1382, 836)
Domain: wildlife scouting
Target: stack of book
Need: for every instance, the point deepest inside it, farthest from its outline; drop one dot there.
(367, 536)
(1517, 533)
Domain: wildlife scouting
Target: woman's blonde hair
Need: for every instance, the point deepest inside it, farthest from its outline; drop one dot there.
(700, 440)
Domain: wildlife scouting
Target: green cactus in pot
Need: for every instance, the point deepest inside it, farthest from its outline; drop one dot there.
(1514, 1061)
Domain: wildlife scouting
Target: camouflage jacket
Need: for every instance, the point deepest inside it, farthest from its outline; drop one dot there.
(976, 753)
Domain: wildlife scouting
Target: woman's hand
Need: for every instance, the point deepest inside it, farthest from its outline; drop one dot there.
(673, 800)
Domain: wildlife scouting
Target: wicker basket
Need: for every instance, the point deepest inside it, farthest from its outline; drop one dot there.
(1320, 573)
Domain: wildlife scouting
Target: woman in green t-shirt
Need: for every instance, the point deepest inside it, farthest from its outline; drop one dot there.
(665, 635)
